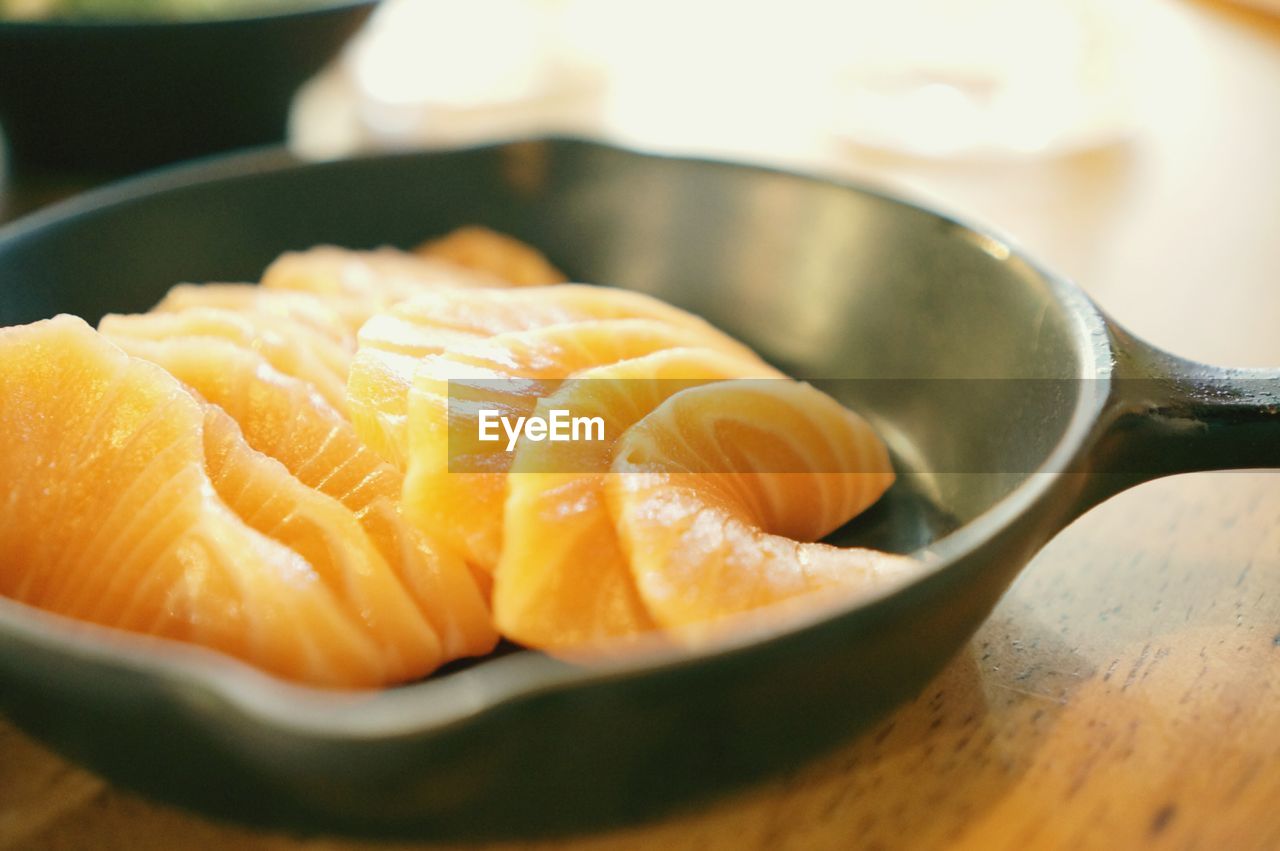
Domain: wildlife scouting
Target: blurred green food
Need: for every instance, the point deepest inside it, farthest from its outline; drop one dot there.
(142, 9)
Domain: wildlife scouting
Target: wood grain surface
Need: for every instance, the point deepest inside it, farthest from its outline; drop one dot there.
(1126, 692)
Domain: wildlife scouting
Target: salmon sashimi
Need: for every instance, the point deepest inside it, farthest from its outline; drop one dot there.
(380, 277)
(563, 580)
(717, 494)
(132, 504)
(288, 420)
(290, 346)
(393, 343)
(302, 474)
(338, 319)
(486, 250)
(331, 539)
(455, 485)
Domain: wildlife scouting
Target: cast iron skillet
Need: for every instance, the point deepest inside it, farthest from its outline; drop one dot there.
(1014, 406)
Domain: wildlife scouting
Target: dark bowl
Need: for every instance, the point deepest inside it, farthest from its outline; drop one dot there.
(95, 96)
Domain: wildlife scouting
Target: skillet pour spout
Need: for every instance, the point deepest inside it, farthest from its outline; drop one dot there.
(1037, 407)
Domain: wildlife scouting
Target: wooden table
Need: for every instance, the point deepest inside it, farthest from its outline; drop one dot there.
(1126, 692)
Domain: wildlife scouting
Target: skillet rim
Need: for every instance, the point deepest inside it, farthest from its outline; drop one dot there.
(206, 678)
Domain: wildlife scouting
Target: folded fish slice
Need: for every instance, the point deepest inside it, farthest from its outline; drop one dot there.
(444, 492)
(377, 278)
(288, 345)
(288, 420)
(563, 580)
(392, 343)
(718, 493)
(485, 250)
(93, 433)
(332, 540)
(337, 319)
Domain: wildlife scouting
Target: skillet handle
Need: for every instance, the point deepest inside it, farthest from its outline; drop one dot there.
(1168, 415)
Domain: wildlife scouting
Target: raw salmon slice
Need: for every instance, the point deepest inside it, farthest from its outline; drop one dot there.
(338, 319)
(290, 346)
(563, 580)
(485, 250)
(717, 494)
(392, 343)
(288, 420)
(508, 373)
(131, 504)
(380, 277)
(331, 539)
